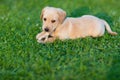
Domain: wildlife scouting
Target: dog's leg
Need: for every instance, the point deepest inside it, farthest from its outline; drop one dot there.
(39, 35)
(42, 37)
(50, 39)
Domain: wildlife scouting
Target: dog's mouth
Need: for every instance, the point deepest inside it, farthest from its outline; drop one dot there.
(53, 30)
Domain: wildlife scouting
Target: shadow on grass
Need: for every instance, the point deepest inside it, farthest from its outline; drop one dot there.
(87, 11)
(80, 11)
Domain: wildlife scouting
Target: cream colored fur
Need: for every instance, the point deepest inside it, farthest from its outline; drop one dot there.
(71, 28)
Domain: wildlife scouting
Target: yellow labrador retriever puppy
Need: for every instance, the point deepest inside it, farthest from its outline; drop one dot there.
(59, 26)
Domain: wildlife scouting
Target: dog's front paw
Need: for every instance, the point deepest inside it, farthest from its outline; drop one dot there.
(46, 39)
(42, 37)
(38, 36)
(41, 40)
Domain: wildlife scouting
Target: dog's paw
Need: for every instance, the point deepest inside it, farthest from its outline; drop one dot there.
(41, 40)
(42, 37)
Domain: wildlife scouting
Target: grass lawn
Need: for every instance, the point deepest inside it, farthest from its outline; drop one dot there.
(22, 58)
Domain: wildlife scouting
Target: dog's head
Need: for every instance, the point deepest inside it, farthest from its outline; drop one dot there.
(52, 17)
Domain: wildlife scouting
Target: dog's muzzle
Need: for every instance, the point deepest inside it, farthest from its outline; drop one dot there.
(46, 29)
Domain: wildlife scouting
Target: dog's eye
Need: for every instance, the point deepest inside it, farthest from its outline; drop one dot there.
(53, 21)
(45, 19)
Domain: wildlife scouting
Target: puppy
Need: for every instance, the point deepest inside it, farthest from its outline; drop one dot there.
(56, 24)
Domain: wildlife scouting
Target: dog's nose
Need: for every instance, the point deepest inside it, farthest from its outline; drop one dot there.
(46, 29)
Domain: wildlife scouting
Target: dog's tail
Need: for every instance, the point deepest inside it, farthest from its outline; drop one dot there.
(107, 26)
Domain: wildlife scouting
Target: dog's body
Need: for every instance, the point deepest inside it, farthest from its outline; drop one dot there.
(81, 27)
(71, 28)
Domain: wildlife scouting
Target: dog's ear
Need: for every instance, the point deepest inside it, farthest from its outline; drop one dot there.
(42, 12)
(41, 15)
(62, 15)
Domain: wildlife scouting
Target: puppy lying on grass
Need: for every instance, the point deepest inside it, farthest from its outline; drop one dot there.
(56, 25)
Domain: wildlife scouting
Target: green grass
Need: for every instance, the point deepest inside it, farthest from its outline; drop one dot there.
(22, 58)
